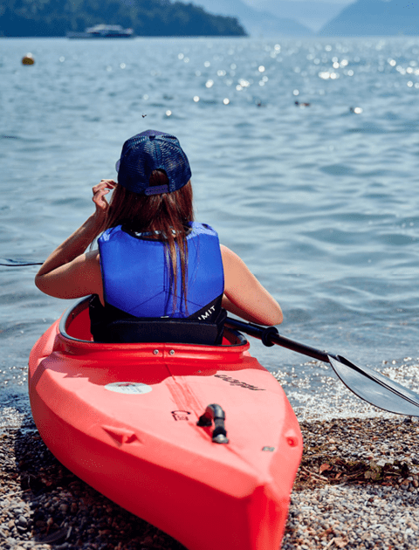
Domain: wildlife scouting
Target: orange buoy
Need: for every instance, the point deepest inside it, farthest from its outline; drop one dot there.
(28, 59)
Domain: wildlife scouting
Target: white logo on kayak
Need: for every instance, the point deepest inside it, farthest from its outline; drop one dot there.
(133, 388)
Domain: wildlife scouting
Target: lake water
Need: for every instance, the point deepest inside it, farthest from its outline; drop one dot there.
(321, 201)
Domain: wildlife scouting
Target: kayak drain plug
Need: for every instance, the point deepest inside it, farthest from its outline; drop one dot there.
(215, 413)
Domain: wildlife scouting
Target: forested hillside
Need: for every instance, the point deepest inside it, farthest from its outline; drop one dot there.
(146, 17)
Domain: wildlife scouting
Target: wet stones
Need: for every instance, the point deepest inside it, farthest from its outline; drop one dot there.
(44, 506)
(366, 497)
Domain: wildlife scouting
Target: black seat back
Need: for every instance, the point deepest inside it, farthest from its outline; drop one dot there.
(170, 331)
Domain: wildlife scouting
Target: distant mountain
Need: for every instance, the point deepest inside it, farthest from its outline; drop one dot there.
(256, 23)
(313, 14)
(146, 17)
(375, 18)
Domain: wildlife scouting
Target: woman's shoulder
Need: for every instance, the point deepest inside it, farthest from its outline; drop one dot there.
(233, 265)
(229, 256)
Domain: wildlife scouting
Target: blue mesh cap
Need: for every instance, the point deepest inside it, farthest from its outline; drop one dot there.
(152, 150)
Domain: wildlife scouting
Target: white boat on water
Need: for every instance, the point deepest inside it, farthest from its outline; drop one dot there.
(103, 31)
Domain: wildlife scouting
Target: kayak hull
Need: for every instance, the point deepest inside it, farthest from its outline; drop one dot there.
(123, 417)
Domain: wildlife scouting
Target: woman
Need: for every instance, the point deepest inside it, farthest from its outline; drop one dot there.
(154, 263)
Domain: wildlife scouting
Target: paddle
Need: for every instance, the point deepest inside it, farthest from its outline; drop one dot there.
(368, 384)
(17, 263)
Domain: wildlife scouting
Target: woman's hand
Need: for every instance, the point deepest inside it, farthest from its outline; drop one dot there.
(99, 192)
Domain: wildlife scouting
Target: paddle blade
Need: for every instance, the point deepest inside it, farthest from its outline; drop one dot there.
(375, 388)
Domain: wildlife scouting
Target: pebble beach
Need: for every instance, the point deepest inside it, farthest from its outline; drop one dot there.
(357, 487)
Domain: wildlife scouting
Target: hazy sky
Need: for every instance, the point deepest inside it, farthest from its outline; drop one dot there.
(263, 4)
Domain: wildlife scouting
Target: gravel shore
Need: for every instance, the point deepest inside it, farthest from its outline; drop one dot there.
(357, 487)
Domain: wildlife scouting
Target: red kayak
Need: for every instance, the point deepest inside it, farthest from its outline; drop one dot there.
(198, 440)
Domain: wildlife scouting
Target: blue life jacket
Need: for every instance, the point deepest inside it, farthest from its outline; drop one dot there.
(136, 274)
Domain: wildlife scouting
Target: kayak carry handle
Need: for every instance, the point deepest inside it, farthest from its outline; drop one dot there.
(215, 413)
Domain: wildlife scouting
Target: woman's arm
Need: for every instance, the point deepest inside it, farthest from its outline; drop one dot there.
(68, 272)
(244, 295)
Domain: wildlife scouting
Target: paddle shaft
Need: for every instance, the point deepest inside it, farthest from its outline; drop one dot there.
(270, 336)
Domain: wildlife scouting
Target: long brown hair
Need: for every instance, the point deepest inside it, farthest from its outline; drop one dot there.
(166, 213)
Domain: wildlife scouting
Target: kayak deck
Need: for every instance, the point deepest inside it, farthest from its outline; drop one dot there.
(123, 417)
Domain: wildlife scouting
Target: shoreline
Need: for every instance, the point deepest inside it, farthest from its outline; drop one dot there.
(357, 487)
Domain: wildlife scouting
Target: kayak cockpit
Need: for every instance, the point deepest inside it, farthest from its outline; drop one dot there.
(75, 326)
